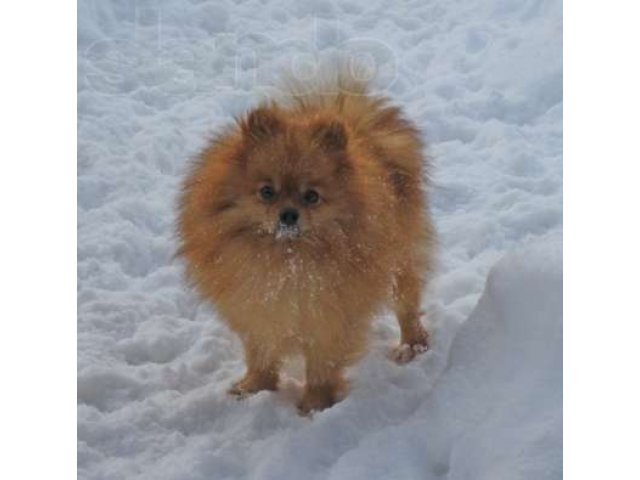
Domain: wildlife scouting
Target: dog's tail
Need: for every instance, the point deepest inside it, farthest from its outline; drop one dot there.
(341, 78)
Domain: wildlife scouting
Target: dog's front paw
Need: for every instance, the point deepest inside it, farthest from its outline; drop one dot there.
(317, 398)
(314, 403)
(253, 383)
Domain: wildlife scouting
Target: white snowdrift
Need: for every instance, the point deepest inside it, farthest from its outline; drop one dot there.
(496, 411)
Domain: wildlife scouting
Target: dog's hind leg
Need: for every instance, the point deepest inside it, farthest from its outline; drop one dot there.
(406, 303)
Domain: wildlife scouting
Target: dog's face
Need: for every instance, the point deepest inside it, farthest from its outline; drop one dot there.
(292, 182)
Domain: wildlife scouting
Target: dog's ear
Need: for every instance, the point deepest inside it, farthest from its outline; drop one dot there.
(261, 123)
(332, 136)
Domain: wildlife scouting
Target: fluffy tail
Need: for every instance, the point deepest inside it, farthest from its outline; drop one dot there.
(340, 79)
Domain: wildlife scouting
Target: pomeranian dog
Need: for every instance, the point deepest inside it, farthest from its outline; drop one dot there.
(304, 219)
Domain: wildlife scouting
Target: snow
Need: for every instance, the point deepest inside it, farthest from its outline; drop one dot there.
(484, 80)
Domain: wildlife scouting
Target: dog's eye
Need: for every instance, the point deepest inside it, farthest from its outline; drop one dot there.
(267, 192)
(310, 197)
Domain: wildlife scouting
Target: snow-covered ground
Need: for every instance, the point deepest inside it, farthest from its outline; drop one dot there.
(484, 80)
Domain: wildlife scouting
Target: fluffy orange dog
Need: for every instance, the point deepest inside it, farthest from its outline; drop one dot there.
(303, 220)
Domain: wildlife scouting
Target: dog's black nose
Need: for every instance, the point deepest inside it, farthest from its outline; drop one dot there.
(289, 216)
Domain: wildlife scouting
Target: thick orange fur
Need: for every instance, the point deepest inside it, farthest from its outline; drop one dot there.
(365, 245)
